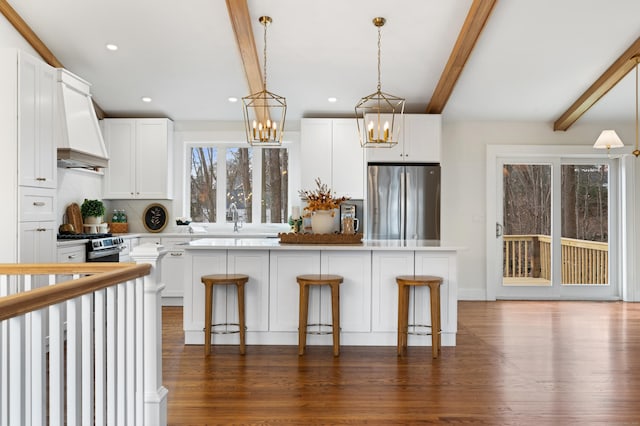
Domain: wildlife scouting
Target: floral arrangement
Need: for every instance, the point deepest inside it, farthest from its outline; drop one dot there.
(321, 198)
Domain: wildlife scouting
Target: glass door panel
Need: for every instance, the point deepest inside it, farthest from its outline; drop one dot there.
(526, 252)
(585, 225)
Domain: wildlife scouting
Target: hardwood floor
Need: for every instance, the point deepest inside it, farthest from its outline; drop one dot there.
(525, 363)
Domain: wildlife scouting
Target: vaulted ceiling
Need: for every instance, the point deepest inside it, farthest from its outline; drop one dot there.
(533, 60)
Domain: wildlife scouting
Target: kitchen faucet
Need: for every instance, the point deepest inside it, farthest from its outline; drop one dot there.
(233, 210)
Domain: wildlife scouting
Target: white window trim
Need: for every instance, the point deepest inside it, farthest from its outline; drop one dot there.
(256, 178)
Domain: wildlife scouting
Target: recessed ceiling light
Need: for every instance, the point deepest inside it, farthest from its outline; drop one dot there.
(146, 99)
(332, 99)
(112, 47)
(233, 99)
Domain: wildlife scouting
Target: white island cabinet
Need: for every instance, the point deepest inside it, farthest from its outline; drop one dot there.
(368, 294)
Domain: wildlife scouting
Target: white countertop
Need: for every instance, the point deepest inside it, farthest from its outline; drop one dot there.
(274, 244)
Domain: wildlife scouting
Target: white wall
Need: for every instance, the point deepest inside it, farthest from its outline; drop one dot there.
(74, 186)
(9, 37)
(464, 183)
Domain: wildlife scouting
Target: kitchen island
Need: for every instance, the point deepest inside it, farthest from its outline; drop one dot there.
(368, 295)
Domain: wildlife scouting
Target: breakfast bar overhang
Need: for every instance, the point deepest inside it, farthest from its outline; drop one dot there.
(368, 296)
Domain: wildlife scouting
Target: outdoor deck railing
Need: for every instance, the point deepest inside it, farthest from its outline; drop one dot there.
(84, 348)
(583, 262)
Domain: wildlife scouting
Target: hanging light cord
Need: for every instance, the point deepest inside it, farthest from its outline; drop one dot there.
(379, 39)
(264, 54)
(636, 151)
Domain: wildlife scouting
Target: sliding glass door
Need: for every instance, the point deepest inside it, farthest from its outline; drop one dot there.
(553, 228)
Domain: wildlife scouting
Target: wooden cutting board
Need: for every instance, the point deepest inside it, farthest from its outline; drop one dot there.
(74, 217)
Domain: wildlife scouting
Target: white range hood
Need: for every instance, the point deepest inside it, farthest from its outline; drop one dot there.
(80, 140)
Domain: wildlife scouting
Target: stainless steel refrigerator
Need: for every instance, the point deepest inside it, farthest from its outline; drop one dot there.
(403, 201)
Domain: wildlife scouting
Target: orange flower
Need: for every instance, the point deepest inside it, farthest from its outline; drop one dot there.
(321, 198)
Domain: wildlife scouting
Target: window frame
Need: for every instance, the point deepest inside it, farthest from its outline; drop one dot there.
(221, 171)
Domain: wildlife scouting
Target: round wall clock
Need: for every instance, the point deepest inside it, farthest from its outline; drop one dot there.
(155, 217)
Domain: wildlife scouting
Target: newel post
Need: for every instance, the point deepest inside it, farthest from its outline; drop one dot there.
(155, 394)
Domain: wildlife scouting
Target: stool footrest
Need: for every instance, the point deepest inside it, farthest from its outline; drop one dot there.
(320, 332)
(224, 324)
(419, 326)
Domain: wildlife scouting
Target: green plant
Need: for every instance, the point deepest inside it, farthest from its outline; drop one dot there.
(92, 208)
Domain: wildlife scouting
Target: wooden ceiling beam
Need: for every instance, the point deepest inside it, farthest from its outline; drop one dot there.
(241, 23)
(32, 38)
(602, 85)
(477, 17)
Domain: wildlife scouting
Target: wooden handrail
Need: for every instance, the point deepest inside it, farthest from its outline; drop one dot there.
(105, 276)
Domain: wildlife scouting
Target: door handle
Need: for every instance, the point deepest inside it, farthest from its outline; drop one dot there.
(499, 229)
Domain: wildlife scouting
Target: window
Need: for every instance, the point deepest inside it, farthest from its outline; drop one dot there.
(255, 180)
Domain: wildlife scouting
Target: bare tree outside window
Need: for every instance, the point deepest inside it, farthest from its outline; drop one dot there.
(239, 182)
(275, 185)
(203, 184)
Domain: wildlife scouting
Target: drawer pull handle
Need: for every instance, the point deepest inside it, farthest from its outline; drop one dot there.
(41, 179)
(39, 203)
(72, 256)
(41, 229)
(176, 254)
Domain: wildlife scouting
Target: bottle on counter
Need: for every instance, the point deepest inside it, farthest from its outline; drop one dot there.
(123, 216)
(115, 218)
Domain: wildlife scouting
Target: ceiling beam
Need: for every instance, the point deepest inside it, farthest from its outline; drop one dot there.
(32, 38)
(241, 23)
(602, 85)
(477, 17)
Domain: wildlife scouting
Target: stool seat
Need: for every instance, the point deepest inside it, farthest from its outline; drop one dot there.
(405, 282)
(304, 281)
(239, 280)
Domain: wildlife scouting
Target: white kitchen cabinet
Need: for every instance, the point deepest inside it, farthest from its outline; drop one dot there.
(355, 290)
(255, 264)
(36, 112)
(330, 150)
(28, 165)
(140, 158)
(37, 242)
(72, 254)
(386, 265)
(419, 141)
(285, 266)
(173, 271)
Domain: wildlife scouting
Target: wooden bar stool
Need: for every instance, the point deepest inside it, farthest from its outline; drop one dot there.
(404, 284)
(239, 280)
(309, 280)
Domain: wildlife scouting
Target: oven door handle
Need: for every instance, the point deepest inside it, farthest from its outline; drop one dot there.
(102, 253)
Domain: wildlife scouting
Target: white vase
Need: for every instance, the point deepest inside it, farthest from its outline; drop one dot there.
(322, 222)
(93, 220)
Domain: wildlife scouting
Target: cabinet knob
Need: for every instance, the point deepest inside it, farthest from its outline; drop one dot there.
(38, 203)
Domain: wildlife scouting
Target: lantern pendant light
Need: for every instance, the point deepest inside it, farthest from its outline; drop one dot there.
(379, 115)
(264, 111)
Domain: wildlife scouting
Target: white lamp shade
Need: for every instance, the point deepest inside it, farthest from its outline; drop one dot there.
(608, 139)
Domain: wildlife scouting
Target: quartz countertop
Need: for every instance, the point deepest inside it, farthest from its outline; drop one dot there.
(275, 244)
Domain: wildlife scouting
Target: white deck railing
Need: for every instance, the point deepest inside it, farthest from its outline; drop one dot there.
(85, 350)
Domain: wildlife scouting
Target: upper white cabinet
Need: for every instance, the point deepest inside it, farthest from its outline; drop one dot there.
(330, 150)
(36, 112)
(420, 141)
(140, 158)
(28, 163)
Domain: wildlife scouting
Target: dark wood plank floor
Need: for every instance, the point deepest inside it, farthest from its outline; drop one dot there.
(525, 363)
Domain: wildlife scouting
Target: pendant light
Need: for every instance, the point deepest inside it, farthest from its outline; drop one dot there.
(264, 111)
(379, 115)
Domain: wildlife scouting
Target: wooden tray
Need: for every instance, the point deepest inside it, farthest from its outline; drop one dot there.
(291, 238)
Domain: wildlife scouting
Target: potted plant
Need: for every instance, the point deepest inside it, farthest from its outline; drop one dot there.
(92, 211)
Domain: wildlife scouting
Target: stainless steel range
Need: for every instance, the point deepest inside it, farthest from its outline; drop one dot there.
(104, 249)
(100, 247)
